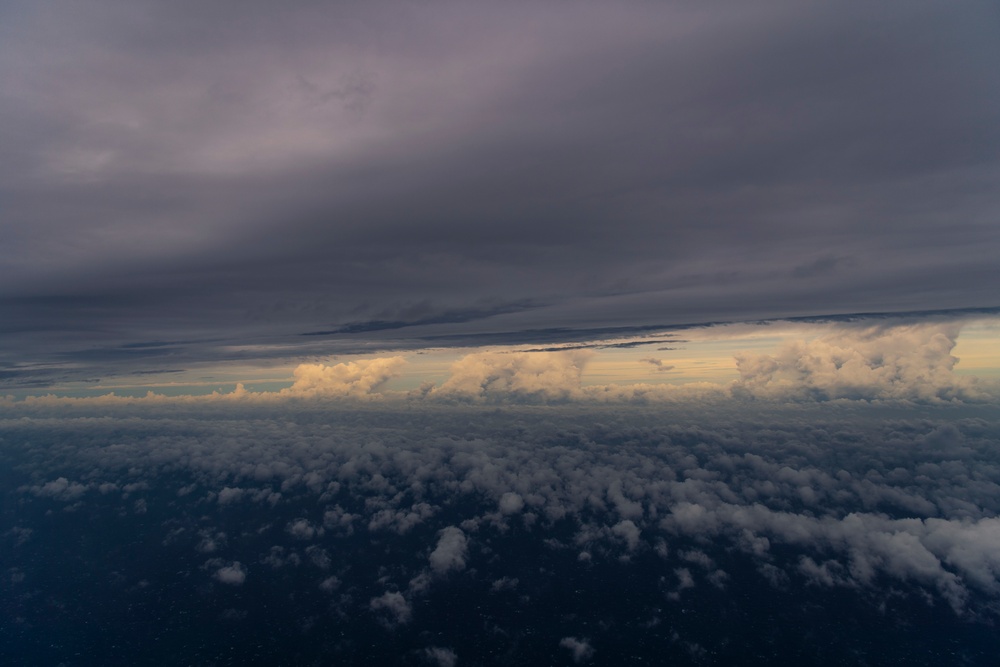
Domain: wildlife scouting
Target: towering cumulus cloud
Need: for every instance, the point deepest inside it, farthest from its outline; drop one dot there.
(517, 375)
(911, 362)
(353, 379)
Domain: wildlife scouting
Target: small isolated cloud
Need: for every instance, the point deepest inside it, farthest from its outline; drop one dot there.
(657, 364)
(450, 552)
(210, 541)
(233, 574)
(319, 556)
(580, 649)
(277, 557)
(442, 657)
(504, 584)
(392, 607)
(530, 376)
(330, 584)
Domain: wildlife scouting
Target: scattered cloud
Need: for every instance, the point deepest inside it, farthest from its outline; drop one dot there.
(580, 649)
(233, 574)
(392, 607)
(442, 657)
(658, 364)
(451, 551)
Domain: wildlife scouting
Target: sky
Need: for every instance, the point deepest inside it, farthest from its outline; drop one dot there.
(466, 333)
(190, 186)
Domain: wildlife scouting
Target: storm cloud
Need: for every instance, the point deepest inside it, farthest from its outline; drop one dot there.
(223, 179)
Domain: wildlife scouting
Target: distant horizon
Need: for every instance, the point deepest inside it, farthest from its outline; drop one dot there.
(430, 363)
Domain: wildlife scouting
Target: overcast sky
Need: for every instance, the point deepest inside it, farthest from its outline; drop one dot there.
(217, 179)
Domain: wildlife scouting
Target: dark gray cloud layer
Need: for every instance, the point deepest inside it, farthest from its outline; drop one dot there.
(250, 173)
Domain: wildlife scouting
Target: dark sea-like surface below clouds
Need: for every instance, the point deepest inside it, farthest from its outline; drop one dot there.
(300, 534)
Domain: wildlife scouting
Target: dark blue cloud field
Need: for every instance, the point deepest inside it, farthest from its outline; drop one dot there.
(695, 534)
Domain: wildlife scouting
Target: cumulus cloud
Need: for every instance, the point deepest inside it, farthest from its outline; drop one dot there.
(211, 541)
(511, 503)
(909, 362)
(580, 649)
(230, 495)
(301, 529)
(900, 362)
(450, 552)
(393, 608)
(504, 584)
(330, 584)
(544, 376)
(60, 489)
(351, 379)
(628, 532)
(442, 657)
(840, 493)
(401, 521)
(233, 574)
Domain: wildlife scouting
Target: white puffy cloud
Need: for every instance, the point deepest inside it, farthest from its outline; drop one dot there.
(401, 521)
(855, 488)
(511, 503)
(442, 657)
(278, 557)
(580, 649)
(229, 495)
(908, 362)
(233, 574)
(60, 489)
(211, 541)
(351, 379)
(888, 362)
(450, 552)
(330, 584)
(530, 376)
(301, 529)
(628, 532)
(504, 584)
(393, 607)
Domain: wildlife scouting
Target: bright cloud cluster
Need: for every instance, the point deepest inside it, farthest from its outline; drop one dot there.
(352, 379)
(544, 376)
(912, 362)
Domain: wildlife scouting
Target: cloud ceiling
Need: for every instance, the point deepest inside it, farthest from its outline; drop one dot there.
(240, 174)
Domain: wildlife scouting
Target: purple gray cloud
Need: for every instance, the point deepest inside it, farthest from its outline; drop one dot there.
(182, 178)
